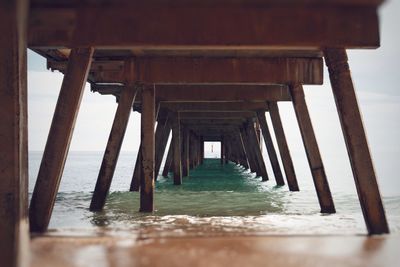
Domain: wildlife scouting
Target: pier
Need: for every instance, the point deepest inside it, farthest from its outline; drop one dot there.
(198, 70)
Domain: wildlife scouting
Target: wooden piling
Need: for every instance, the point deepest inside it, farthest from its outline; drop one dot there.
(176, 144)
(137, 172)
(59, 138)
(148, 149)
(311, 146)
(14, 233)
(185, 149)
(168, 161)
(255, 145)
(222, 156)
(162, 144)
(248, 152)
(270, 148)
(201, 150)
(356, 141)
(115, 139)
(283, 147)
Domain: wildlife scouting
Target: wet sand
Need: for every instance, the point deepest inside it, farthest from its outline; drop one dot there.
(285, 251)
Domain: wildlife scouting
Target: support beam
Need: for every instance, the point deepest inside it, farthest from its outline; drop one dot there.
(283, 147)
(148, 150)
(270, 148)
(311, 146)
(58, 141)
(222, 150)
(14, 228)
(208, 92)
(168, 161)
(197, 70)
(162, 144)
(176, 144)
(356, 141)
(215, 106)
(115, 139)
(255, 145)
(197, 24)
(137, 172)
(185, 150)
(249, 152)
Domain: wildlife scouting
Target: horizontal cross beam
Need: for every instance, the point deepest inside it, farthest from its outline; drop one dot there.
(192, 23)
(268, 70)
(207, 93)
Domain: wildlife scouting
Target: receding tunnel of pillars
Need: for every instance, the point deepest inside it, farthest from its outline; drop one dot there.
(209, 111)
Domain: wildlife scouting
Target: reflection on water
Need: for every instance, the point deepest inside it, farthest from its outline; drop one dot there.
(217, 200)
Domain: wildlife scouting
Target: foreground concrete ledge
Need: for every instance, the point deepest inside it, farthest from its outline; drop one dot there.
(215, 251)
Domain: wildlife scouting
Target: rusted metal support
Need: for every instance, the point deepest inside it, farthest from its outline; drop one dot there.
(115, 139)
(58, 141)
(270, 148)
(283, 147)
(148, 149)
(356, 141)
(168, 161)
(176, 144)
(252, 136)
(312, 150)
(14, 227)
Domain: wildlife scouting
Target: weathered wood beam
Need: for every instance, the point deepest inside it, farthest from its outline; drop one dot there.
(115, 139)
(162, 144)
(249, 152)
(222, 150)
(137, 172)
(14, 227)
(168, 161)
(189, 70)
(270, 148)
(311, 147)
(356, 141)
(255, 146)
(224, 24)
(208, 92)
(176, 143)
(283, 147)
(185, 152)
(215, 107)
(216, 115)
(58, 141)
(148, 149)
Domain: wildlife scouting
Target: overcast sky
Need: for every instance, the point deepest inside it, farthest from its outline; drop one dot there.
(375, 74)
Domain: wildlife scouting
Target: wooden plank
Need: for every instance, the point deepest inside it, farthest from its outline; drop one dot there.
(168, 161)
(161, 70)
(176, 143)
(311, 146)
(58, 141)
(283, 147)
(14, 227)
(208, 92)
(187, 25)
(270, 148)
(356, 141)
(115, 140)
(148, 150)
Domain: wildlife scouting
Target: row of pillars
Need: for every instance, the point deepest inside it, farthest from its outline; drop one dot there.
(14, 144)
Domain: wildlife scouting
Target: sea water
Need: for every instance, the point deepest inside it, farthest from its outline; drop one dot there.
(214, 200)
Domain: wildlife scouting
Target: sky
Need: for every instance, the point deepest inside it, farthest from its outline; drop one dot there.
(375, 75)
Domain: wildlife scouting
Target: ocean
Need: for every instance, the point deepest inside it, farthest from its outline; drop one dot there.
(213, 200)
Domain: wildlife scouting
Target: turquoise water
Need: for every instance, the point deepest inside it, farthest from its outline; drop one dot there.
(213, 200)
